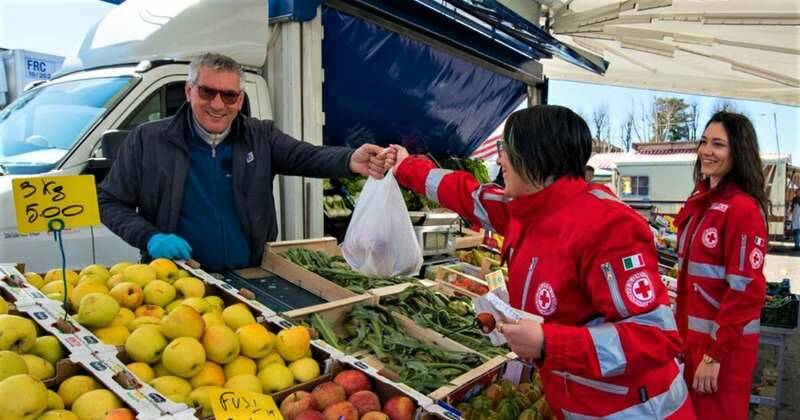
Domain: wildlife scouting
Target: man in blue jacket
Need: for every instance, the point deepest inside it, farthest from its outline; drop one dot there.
(199, 184)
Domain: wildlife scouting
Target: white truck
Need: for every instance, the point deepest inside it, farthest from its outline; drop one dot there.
(132, 66)
(20, 68)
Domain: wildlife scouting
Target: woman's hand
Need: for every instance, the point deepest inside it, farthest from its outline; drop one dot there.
(396, 156)
(705, 377)
(525, 338)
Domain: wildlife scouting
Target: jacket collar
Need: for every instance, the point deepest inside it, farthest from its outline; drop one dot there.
(703, 196)
(178, 129)
(535, 207)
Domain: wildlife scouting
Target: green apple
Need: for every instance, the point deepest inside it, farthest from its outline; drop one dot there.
(95, 404)
(119, 267)
(57, 274)
(237, 315)
(38, 367)
(245, 382)
(95, 269)
(18, 333)
(142, 321)
(184, 357)
(160, 370)
(199, 304)
(239, 366)
(58, 415)
(84, 289)
(255, 340)
(29, 398)
(215, 301)
(159, 292)
(183, 322)
(34, 279)
(190, 287)
(146, 344)
(170, 384)
(183, 273)
(213, 318)
(113, 335)
(114, 280)
(97, 310)
(200, 398)
(165, 269)
(221, 344)
(140, 274)
(75, 386)
(56, 287)
(143, 371)
(11, 364)
(54, 401)
(48, 348)
(124, 317)
(150, 310)
(128, 294)
(210, 374)
(172, 305)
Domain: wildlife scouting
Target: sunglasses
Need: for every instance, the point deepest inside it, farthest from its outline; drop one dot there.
(229, 97)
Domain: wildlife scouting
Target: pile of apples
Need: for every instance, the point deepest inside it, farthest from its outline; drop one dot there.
(28, 361)
(180, 341)
(348, 397)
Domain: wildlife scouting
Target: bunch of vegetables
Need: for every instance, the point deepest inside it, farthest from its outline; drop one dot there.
(476, 167)
(336, 269)
(418, 365)
(503, 400)
(334, 206)
(451, 316)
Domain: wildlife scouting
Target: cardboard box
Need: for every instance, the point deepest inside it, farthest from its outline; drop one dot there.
(244, 296)
(15, 288)
(49, 315)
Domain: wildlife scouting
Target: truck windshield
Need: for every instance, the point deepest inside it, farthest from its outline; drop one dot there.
(40, 127)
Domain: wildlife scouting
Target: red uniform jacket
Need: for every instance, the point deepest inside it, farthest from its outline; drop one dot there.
(722, 243)
(585, 262)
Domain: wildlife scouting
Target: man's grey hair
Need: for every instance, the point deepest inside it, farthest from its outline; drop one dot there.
(217, 62)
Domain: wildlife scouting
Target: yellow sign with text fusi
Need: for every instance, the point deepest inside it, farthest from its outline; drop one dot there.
(230, 404)
(70, 198)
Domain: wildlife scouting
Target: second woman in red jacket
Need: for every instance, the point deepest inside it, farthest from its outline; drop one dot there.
(582, 260)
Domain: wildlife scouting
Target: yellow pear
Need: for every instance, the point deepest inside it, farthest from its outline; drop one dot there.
(115, 335)
(84, 289)
(140, 274)
(159, 292)
(184, 357)
(58, 415)
(48, 348)
(34, 279)
(119, 267)
(75, 386)
(24, 398)
(237, 315)
(17, 334)
(143, 371)
(210, 374)
(255, 340)
(190, 287)
(183, 322)
(199, 398)
(39, 368)
(11, 364)
(129, 295)
(221, 344)
(97, 310)
(146, 344)
(276, 377)
(116, 279)
(169, 385)
(240, 365)
(54, 401)
(95, 404)
(57, 274)
(199, 304)
(166, 270)
(124, 317)
(150, 310)
(245, 382)
(213, 318)
(293, 343)
(272, 357)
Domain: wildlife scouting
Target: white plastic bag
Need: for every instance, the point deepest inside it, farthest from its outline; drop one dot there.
(380, 240)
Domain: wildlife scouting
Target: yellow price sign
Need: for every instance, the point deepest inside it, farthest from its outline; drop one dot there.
(495, 279)
(230, 404)
(38, 200)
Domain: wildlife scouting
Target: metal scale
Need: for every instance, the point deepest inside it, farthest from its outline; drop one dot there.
(436, 232)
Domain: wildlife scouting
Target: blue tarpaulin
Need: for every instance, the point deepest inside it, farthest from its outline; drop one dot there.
(382, 87)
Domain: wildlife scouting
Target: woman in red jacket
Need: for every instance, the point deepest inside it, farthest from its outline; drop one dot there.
(722, 242)
(578, 257)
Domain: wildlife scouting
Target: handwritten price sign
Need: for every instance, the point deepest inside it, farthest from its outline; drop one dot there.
(38, 200)
(229, 404)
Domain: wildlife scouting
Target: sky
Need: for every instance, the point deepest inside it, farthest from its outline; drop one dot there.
(56, 27)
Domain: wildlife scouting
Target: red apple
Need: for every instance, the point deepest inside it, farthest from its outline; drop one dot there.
(327, 394)
(399, 408)
(341, 411)
(375, 415)
(296, 403)
(353, 381)
(365, 401)
(310, 415)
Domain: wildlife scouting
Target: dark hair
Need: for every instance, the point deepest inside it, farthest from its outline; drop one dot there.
(547, 141)
(747, 170)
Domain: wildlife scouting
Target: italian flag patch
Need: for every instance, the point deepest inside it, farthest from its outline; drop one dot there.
(633, 262)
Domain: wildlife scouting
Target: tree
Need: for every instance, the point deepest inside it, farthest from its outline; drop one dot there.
(694, 117)
(625, 131)
(725, 104)
(670, 119)
(600, 121)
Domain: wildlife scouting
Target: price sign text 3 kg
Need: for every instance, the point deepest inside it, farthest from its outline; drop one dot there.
(37, 200)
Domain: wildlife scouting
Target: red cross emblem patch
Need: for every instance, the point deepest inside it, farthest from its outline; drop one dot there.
(546, 301)
(756, 258)
(710, 237)
(640, 290)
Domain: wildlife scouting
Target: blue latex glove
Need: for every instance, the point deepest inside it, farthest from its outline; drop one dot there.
(167, 245)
